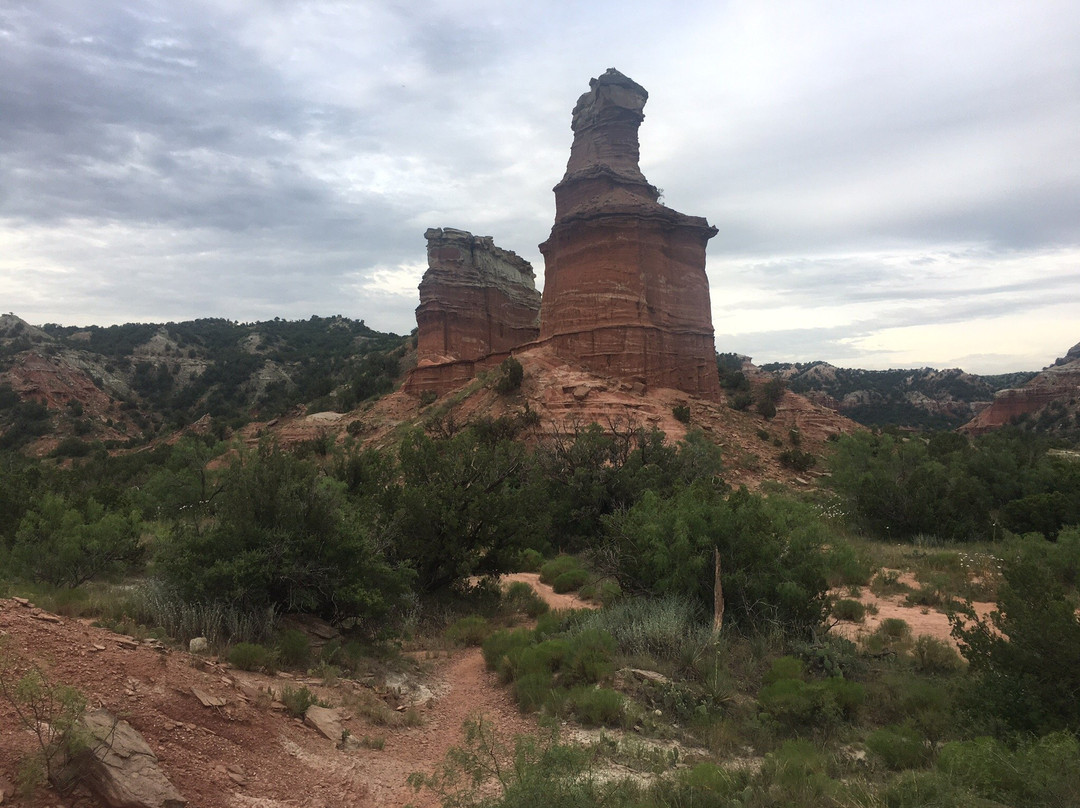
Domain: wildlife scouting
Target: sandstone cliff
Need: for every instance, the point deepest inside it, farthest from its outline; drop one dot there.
(477, 303)
(1052, 399)
(625, 289)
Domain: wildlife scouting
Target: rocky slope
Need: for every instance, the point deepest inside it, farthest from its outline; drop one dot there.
(557, 398)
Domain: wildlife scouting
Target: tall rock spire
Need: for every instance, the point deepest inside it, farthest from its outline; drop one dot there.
(625, 289)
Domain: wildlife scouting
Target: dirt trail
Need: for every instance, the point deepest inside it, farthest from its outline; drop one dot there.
(247, 754)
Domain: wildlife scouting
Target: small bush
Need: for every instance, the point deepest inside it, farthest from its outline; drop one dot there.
(500, 645)
(681, 413)
(570, 581)
(741, 401)
(849, 609)
(588, 658)
(249, 656)
(596, 706)
(427, 397)
(511, 374)
(797, 460)
(530, 560)
(471, 630)
(887, 582)
(798, 704)
(533, 690)
(846, 567)
(294, 648)
(899, 747)
(606, 591)
(785, 667)
(297, 700)
(662, 628)
(894, 628)
(520, 597)
(932, 655)
(556, 567)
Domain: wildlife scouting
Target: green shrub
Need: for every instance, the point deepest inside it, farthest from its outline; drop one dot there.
(708, 778)
(797, 460)
(596, 706)
(606, 591)
(249, 656)
(899, 747)
(589, 657)
(469, 630)
(934, 656)
(533, 690)
(1038, 772)
(498, 646)
(530, 560)
(1024, 653)
(797, 704)
(297, 700)
(771, 550)
(681, 413)
(845, 566)
(511, 374)
(795, 774)
(294, 648)
(741, 400)
(849, 609)
(570, 581)
(521, 597)
(894, 628)
(556, 567)
(785, 667)
(661, 628)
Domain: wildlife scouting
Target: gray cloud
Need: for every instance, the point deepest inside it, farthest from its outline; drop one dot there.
(887, 165)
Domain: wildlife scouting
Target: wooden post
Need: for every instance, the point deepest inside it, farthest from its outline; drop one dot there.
(718, 595)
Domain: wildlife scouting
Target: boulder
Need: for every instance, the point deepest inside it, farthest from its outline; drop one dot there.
(326, 721)
(119, 766)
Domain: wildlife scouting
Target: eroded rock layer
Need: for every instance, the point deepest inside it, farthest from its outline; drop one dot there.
(1057, 384)
(625, 290)
(477, 303)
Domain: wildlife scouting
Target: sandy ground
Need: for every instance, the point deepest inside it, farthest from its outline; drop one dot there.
(922, 620)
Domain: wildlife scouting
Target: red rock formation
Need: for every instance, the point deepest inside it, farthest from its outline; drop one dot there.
(1059, 382)
(625, 290)
(477, 303)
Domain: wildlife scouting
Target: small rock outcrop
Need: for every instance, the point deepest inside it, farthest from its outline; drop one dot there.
(625, 289)
(477, 303)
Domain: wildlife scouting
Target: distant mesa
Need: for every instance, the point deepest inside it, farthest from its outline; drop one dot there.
(625, 289)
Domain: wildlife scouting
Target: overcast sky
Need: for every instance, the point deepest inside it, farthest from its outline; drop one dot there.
(896, 184)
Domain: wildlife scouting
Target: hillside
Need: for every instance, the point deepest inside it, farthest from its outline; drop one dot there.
(921, 398)
(63, 388)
